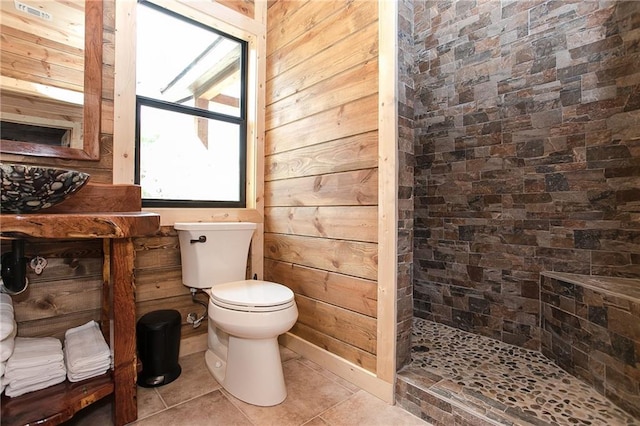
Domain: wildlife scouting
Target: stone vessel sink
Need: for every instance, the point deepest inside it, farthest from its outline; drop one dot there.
(27, 189)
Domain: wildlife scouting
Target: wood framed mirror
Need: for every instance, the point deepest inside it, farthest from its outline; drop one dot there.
(84, 144)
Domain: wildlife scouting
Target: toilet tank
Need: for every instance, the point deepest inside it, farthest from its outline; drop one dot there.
(214, 252)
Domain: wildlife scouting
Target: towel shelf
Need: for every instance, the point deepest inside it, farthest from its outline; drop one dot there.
(56, 404)
(116, 229)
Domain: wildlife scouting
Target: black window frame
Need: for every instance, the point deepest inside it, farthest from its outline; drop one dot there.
(241, 121)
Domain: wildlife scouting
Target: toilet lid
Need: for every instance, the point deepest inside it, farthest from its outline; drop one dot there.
(251, 294)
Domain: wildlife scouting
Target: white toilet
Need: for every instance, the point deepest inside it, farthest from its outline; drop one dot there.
(245, 316)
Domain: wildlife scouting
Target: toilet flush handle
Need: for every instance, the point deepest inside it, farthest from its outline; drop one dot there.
(201, 239)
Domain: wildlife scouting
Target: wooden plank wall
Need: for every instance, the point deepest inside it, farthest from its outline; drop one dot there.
(158, 272)
(321, 176)
(68, 293)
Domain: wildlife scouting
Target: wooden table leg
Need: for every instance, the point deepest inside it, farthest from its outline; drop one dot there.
(125, 404)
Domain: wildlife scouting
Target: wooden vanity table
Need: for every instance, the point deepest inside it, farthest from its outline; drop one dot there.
(59, 403)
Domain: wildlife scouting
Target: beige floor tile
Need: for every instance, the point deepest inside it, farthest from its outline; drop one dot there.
(149, 402)
(210, 409)
(316, 421)
(309, 393)
(195, 380)
(328, 374)
(365, 409)
(286, 354)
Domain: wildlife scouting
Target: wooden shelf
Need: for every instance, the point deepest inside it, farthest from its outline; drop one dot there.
(117, 230)
(79, 225)
(55, 404)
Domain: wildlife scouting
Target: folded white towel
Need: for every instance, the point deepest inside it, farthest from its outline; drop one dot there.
(85, 347)
(11, 391)
(34, 352)
(3, 365)
(32, 375)
(7, 323)
(7, 345)
(88, 364)
(77, 377)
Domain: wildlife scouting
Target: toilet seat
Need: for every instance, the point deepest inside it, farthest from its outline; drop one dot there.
(252, 296)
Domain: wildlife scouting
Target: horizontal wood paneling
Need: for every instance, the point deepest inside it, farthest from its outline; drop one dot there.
(159, 283)
(357, 188)
(361, 46)
(160, 251)
(49, 63)
(352, 293)
(353, 84)
(346, 120)
(338, 26)
(354, 258)
(45, 300)
(43, 108)
(66, 294)
(350, 327)
(67, 268)
(291, 19)
(345, 222)
(357, 356)
(351, 153)
(321, 179)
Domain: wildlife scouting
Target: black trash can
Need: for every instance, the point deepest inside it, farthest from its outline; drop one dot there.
(158, 347)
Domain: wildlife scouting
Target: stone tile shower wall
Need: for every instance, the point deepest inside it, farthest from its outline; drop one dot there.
(527, 148)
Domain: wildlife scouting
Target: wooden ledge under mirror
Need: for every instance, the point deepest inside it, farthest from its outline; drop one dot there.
(35, 97)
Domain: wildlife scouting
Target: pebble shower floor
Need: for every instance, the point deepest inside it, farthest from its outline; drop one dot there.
(457, 378)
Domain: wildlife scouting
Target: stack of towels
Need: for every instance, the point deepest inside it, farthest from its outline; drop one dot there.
(36, 363)
(8, 330)
(86, 352)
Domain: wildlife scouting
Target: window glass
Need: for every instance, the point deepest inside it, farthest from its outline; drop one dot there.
(203, 166)
(191, 122)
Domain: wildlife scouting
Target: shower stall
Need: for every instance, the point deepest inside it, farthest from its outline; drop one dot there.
(519, 249)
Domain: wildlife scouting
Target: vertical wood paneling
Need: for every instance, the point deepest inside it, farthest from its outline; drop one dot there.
(321, 182)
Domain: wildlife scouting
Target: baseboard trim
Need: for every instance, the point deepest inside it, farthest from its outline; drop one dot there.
(193, 344)
(360, 377)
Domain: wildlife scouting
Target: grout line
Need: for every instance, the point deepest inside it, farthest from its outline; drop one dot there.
(161, 398)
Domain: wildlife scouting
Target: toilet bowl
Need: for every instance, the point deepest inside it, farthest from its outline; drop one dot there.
(245, 316)
(253, 372)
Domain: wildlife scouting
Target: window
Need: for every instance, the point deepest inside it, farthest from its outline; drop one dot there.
(191, 112)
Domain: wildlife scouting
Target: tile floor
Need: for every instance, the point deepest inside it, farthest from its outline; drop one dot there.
(455, 374)
(315, 397)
